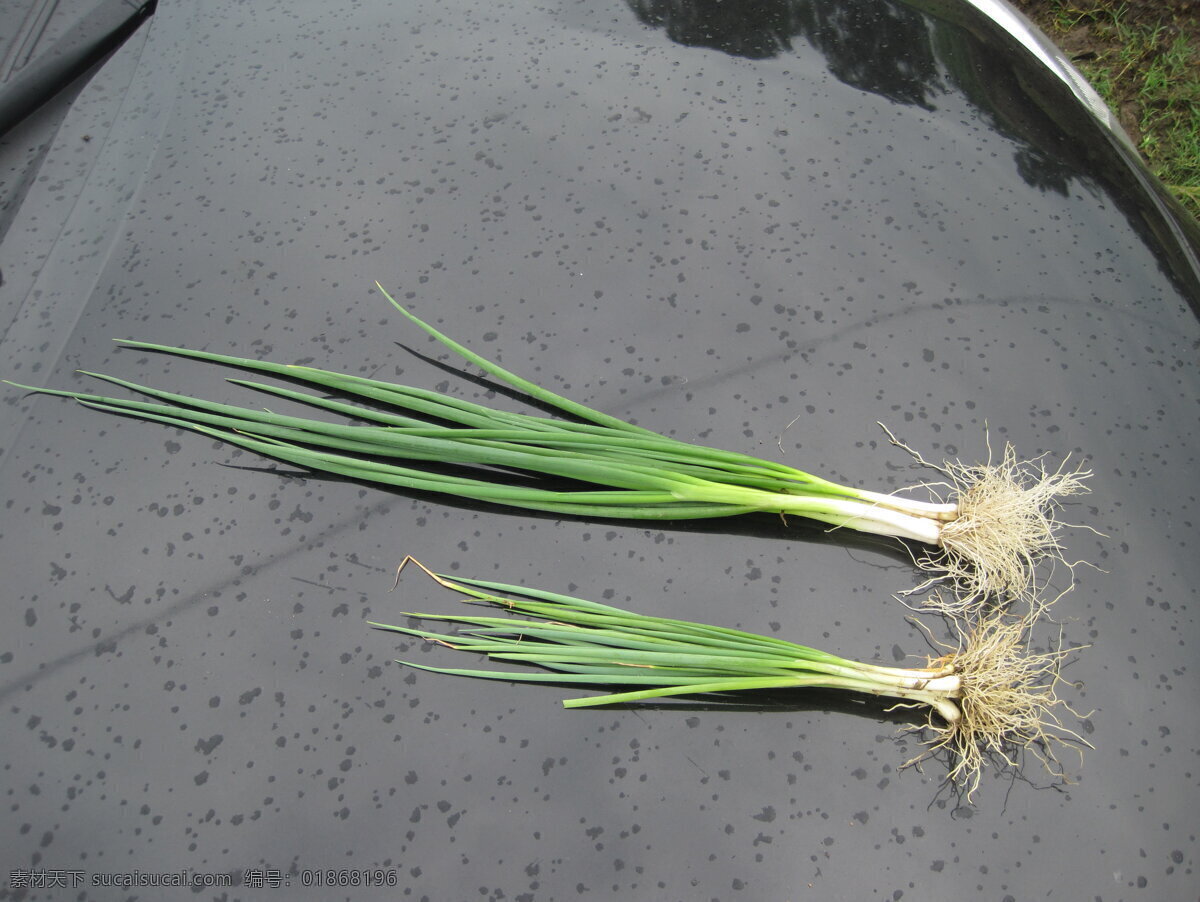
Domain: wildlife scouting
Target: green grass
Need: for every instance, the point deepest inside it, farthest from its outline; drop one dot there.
(1143, 58)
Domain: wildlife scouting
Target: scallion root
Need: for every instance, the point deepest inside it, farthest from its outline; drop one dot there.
(1006, 522)
(1007, 702)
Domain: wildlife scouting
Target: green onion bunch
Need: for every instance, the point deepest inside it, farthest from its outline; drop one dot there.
(985, 539)
(986, 700)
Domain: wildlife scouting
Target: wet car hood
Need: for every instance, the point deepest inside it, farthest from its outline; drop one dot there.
(766, 226)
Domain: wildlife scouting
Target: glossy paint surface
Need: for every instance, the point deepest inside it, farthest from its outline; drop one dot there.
(760, 226)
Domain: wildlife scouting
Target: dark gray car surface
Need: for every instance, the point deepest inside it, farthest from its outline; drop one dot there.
(761, 225)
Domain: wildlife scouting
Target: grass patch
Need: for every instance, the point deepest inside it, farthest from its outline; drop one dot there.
(1143, 58)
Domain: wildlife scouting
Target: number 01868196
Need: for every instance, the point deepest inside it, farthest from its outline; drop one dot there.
(349, 877)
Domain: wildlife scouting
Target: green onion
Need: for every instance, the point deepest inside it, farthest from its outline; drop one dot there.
(985, 540)
(987, 700)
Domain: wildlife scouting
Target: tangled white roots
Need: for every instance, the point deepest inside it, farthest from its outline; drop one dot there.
(1007, 522)
(1008, 704)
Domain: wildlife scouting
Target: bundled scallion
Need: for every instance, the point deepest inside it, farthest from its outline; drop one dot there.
(987, 538)
(987, 700)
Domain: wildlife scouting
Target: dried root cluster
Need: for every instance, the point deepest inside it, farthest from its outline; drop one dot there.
(1008, 703)
(1007, 525)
